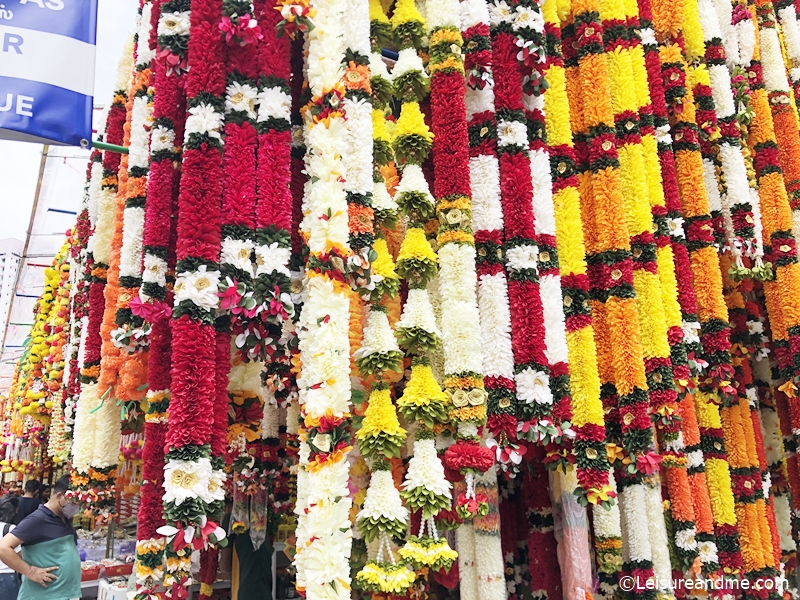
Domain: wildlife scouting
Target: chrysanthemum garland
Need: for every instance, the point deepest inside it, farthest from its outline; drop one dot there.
(157, 275)
(323, 502)
(131, 331)
(534, 381)
(711, 306)
(488, 224)
(103, 189)
(193, 479)
(460, 336)
(587, 410)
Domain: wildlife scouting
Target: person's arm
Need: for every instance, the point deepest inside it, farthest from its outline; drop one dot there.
(9, 556)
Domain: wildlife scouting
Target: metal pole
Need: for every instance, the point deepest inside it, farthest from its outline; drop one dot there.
(42, 164)
(110, 147)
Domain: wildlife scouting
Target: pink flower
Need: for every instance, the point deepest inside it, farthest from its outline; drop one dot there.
(244, 31)
(152, 313)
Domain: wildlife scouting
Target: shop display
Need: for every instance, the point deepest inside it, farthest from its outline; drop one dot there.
(495, 298)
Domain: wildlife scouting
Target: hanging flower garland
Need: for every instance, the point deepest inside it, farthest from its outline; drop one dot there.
(534, 381)
(131, 332)
(712, 311)
(157, 276)
(592, 467)
(455, 241)
(89, 481)
(193, 479)
(323, 537)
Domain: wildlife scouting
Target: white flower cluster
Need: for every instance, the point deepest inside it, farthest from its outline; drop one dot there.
(274, 103)
(241, 97)
(85, 419)
(130, 256)
(457, 284)
(512, 133)
(408, 61)
(659, 542)
(174, 23)
(104, 228)
(204, 120)
(324, 382)
(325, 203)
(381, 200)
(383, 499)
(141, 118)
(425, 470)
(635, 518)
(378, 336)
(487, 210)
(186, 480)
(162, 138)
(200, 287)
(237, 253)
(522, 256)
(155, 271)
(413, 181)
(143, 52)
(534, 386)
(358, 159)
(418, 312)
(272, 258)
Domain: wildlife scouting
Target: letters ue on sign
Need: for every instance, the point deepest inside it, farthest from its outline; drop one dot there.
(47, 52)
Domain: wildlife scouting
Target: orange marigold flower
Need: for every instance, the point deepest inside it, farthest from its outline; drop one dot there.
(356, 77)
(360, 218)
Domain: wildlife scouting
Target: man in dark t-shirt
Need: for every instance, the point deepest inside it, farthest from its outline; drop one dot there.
(50, 564)
(30, 501)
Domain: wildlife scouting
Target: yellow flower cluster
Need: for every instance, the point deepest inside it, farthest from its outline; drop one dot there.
(388, 579)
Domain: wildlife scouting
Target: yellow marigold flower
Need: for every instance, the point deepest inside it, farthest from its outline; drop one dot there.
(412, 122)
(416, 245)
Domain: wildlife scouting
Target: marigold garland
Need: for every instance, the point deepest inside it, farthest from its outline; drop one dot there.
(587, 410)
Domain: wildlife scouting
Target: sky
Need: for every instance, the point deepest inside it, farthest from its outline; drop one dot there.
(19, 162)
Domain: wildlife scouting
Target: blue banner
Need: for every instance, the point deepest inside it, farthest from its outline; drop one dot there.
(47, 54)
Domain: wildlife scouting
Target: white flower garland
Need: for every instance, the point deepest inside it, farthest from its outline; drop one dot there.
(378, 336)
(738, 191)
(659, 542)
(324, 531)
(607, 526)
(425, 470)
(383, 499)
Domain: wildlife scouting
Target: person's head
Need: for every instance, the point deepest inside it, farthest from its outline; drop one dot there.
(60, 502)
(9, 505)
(32, 488)
(44, 493)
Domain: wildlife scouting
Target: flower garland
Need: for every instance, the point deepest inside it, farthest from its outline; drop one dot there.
(88, 480)
(61, 278)
(155, 299)
(712, 310)
(777, 474)
(592, 467)
(323, 535)
(655, 288)
(78, 304)
(131, 332)
(778, 239)
(748, 477)
(460, 337)
(238, 213)
(610, 261)
(534, 380)
(193, 479)
(671, 257)
(488, 223)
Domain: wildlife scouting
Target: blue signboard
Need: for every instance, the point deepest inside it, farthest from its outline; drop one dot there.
(47, 54)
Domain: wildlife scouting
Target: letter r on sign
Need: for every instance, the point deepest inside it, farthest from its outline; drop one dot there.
(12, 40)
